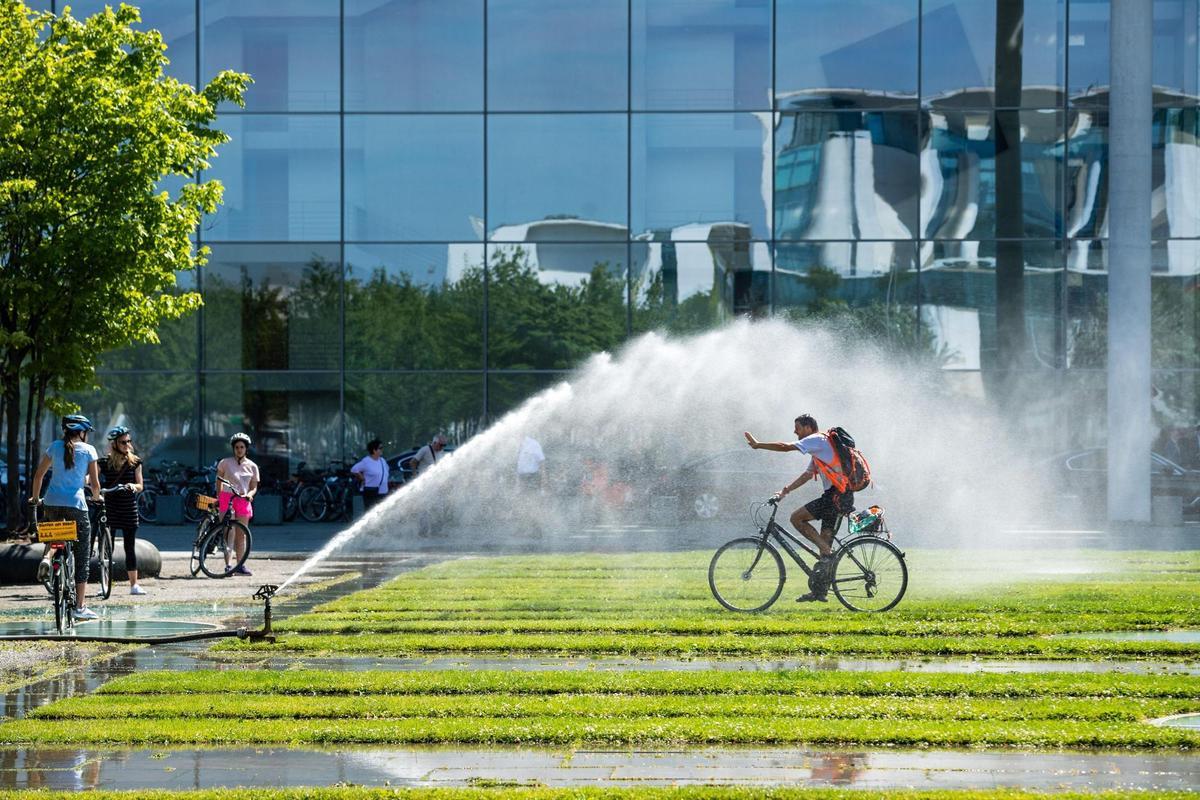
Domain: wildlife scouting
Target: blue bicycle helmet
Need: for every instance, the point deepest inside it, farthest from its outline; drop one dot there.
(117, 433)
(77, 422)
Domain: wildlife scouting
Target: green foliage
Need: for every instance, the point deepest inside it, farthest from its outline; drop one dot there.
(89, 245)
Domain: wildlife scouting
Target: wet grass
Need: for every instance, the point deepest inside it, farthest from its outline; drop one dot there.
(879, 709)
(658, 604)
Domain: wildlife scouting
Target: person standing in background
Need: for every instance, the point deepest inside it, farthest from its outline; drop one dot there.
(123, 469)
(371, 472)
(530, 458)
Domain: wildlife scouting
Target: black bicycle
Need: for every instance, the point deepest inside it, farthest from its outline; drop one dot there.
(747, 574)
(102, 540)
(58, 537)
(214, 543)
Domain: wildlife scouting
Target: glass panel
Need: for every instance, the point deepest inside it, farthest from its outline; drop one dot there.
(405, 411)
(865, 49)
(159, 407)
(701, 54)
(438, 42)
(414, 178)
(846, 175)
(1176, 168)
(272, 306)
(557, 55)
(700, 176)
(1086, 205)
(414, 306)
(290, 417)
(960, 64)
(1089, 50)
(994, 305)
(1087, 307)
(179, 340)
(980, 186)
(551, 305)
(175, 19)
(562, 167)
(506, 391)
(290, 49)
(1175, 305)
(1177, 409)
(684, 287)
(1175, 52)
(281, 179)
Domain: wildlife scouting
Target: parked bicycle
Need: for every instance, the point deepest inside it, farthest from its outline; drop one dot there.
(213, 551)
(59, 536)
(329, 498)
(869, 573)
(196, 483)
(165, 480)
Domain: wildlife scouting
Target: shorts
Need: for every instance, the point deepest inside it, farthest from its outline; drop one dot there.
(829, 505)
(241, 506)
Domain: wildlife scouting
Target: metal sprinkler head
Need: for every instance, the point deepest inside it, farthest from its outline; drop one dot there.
(265, 593)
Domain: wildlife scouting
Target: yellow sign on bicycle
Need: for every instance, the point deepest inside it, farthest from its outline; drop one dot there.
(62, 530)
(205, 503)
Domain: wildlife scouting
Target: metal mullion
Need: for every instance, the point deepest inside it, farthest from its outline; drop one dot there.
(486, 209)
(342, 222)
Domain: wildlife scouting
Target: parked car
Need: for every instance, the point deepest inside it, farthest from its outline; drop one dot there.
(1085, 473)
(182, 449)
(728, 482)
(398, 470)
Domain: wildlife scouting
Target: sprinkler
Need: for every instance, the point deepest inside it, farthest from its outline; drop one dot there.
(264, 593)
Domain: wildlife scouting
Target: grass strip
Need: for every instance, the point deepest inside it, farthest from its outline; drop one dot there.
(1027, 734)
(786, 682)
(608, 706)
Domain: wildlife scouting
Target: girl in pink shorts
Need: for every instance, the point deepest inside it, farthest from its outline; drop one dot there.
(242, 476)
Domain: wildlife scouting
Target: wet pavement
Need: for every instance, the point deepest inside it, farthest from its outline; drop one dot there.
(1190, 721)
(1181, 637)
(82, 769)
(105, 627)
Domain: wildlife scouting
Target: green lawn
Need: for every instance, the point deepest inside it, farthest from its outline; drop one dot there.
(569, 708)
(490, 792)
(658, 604)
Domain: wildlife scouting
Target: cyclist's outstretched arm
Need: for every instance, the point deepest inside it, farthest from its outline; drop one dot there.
(778, 447)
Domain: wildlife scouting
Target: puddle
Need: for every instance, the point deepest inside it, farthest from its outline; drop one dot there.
(431, 766)
(1189, 721)
(105, 627)
(1178, 637)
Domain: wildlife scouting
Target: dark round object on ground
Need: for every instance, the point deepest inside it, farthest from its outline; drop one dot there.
(18, 563)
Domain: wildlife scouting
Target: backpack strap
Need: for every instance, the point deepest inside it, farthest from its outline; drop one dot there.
(832, 472)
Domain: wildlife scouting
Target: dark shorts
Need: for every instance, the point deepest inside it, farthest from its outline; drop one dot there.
(827, 507)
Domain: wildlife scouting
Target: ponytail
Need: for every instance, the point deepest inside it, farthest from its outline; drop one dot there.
(69, 438)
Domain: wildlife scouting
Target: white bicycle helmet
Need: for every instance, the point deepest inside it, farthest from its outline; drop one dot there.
(239, 437)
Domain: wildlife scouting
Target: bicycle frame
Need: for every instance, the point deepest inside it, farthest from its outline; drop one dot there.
(788, 541)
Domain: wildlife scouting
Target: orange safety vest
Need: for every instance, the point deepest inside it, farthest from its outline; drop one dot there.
(832, 472)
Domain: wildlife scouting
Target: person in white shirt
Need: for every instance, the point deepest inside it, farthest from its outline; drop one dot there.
(530, 459)
(372, 475)
(835, 500)
(427, 456)
(243, 477)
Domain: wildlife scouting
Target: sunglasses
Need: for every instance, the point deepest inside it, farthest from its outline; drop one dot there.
(124, 441)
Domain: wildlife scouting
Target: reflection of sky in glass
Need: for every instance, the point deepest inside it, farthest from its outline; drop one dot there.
(290, 50)
(701, 54)
(860, 44)
(568, 164)
(414, 177)
(430, 50)
(700, 168)
(557, 55)
(1088, 42)
(175, 19)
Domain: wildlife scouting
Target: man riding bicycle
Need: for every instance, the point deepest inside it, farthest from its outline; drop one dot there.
(835, 500)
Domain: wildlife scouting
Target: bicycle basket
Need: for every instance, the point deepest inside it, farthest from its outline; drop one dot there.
(62, 530)
(868, 520)
(205, 503)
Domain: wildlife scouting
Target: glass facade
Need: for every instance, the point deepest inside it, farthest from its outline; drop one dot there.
(435, 207)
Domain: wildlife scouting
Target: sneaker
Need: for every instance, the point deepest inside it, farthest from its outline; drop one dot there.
(135, 589)
(813, 597)
(242, 571)
(43, 570)
(85, 613)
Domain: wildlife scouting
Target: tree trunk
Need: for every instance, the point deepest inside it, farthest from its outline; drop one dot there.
(12, 440)
(39, 408)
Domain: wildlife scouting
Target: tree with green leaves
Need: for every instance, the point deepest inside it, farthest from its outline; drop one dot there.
(90, 245)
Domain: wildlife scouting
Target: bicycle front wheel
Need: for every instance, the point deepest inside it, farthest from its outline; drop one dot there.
(147, 505)
(313, 503)
(104, 545)
(746, 575)
(870, 575)
(218, 548)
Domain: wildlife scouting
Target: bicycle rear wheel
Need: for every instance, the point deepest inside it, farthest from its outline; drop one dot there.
(104, 546)
(190, 512)
(870, 575)
(58, 592)
(147, 505)
(216, 546)
(313, 503)
(746, 575)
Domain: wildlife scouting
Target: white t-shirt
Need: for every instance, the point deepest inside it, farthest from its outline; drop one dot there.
(816, 445)
(374, 472)
(425, 458)
(239, 475)
(529, 457)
